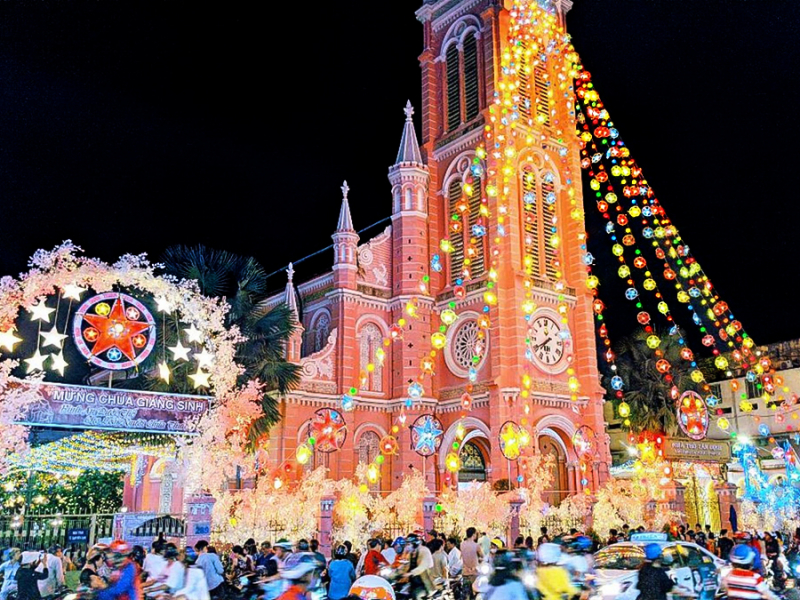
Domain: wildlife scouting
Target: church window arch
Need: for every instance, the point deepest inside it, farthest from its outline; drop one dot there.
(540, 223)
(467, 259)
(370, 339)
(473, 464)
(461, 59)
(317, 335)
(367, 448)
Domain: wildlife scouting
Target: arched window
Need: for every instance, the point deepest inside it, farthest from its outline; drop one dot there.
(453, 87)
(471, 79)
(473, 465)
(368, 447)
(370, 339)
(534, 85)
(560, 486)
(317, 337)
(539, 222)
(462, 78)
(467, 260)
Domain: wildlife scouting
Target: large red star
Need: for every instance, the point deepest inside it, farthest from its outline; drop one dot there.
(327, 431)
(116, 330)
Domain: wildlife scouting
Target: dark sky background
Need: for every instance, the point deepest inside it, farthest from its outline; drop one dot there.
(132, 126)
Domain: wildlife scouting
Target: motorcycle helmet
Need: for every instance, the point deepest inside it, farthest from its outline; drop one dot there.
(302, 546)
(581, 543)
(171, 552)
(652, 552)
(305, 565)
(341, 551)
(137, 554)
(549, 553)
(742, 555)
(399, 544)
(189, 556)
(120, 548)
(743, 537)
(504, 561)
(283, 544)
(497, 544)
(413, 540)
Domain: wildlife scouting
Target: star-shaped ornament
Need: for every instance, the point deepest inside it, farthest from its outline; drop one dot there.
(8, 339)
(116, 331)
(41, 312)
(204, 359)
(427, 434)
(179, 352)
(36, 362)
(200, 379)
(193, 334)
(163, 371)
(72, 291)
(52, 338)
(164, 305)
(57, 363)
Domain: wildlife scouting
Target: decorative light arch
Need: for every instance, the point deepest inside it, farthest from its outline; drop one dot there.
(458, 32)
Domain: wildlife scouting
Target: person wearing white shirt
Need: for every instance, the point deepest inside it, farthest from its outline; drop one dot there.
(154, 563)
(195, 586)
(172, 577)
(55, 572)
(389, 553)
(454, 561)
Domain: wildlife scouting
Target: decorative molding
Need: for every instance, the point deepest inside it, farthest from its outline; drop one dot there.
(461, 139)
(449, 11)
(359, 298)
(456, 392)
(319, 366)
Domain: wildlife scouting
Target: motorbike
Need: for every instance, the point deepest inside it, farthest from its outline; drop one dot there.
(777, 573)
(402, 589)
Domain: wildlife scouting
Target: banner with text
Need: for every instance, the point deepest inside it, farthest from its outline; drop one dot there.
(82, 407)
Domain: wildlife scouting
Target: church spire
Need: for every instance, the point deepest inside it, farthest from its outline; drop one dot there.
(291, 295)
(409, 147)
(345, 220)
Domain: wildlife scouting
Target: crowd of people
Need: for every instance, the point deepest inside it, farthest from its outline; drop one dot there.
(421, 564)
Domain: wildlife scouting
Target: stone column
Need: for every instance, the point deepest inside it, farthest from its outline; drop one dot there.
(726, 492)
(325, 524)
(428, 513)
(513, 532)
(198, 509)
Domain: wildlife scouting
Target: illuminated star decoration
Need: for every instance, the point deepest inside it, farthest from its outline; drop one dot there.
(52, 338)
(193, 334)
(116, 331)
(41, 312)
(164, 305)
(179, 352)
(58, 363)
(428, 433)
(200, 379)
(72, 291)
(328, 429)
(8, 340)
(36, 362)
(509, 440)
(163, 371)
(204, 358)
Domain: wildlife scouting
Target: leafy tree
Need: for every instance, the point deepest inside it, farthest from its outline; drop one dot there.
(646, 390)
(92, 491)
(242, 282)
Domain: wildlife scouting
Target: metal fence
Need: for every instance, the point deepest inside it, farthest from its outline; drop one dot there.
(42, 531)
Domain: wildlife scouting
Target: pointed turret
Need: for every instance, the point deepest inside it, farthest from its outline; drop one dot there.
(409, 148)
(294, 344)
(291, 295)
(345, 245)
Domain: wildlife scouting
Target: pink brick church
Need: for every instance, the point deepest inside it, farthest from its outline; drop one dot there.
(346, 313)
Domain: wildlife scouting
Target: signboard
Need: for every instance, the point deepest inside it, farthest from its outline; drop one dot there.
(77, 536)
(649, 536)
(697, 451)
(83, 407)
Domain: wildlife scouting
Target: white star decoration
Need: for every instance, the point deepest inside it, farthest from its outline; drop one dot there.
(72, 291)
(41, 312)
(179, 352)
(58, 363)
(204, 358)
(163, 371)
(200, 379)
(164, 305)
(193, 334)
(8, 340)
(52, 338)
(36, 362)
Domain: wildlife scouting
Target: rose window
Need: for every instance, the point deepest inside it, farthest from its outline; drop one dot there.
(465, 344)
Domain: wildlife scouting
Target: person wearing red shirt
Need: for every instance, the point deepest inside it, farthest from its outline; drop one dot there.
(374, 561)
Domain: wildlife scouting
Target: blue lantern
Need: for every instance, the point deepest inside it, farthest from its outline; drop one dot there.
(617, 383)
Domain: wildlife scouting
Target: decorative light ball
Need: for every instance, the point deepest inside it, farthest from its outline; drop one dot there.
(602, 206)
(723, 424)
(460, 431)
(466, 401)
(427, 365)
(373, 473)
(452, 462)
(643, 318)
(277, 484)
(460, 291)
(649, 284)
(635, 211)
(396, 332)
(591, 282)
(348, 403)
(712, 400)
(524, 437)
(617, 383)
(624, 271)
(763, 429)
(624, 410)
(617, 249)
(663, 308)
(778, 453)
(598, 306)
(312, 440)
(611, 198)
(721, 363)
(683, 297)
(232, 521)
(697, 376)
(663, 365)
(490, 298)
(448, 316)
(438, 340)
(573, 384)
(415, 390)
(303, 454)
(708, 340)
(389, 445)
(363, 488)
(631, 293)
(438, 507)
(653, 342)
(687, 354)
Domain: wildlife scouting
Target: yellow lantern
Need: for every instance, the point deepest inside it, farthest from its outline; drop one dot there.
(303, 454)
(721, 363)
(723, 424)
(591, 283)
(452, 462)
(663, 308)
(373, 473)
(624, 410)
(617, 250)
(448, 317)
(624, 271)
(649, 284)
(697, 376)
(438, 340)
(683, 297)
(653, 342)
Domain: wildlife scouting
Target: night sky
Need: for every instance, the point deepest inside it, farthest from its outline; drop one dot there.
(128, 127)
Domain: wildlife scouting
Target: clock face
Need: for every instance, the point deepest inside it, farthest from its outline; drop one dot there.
(546, 343)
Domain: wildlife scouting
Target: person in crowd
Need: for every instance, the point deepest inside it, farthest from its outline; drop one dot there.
(613, 537)
(262, 556)
(653, 582)
(724, 545)
(173, 575)
(302, 577)
(90, 577)
(240, 562)
(626, 532)
(744, 582)
(8, 570)
(681, 533)
(341, 574)
(485, 542)
(29, 575)
(529, 543)
(552, 579)
(420, 564)
(711, 543)
(374, 560)
(700, 536)
(351, 556)
(504, 583)
(274, 584)
(212, 568)
(195, 586)
(440, 572)
(471, 555)
(519, 543)
(154, 564)
(314, 547)
(55, 569)
(544, 538)
(743, 537)
(455, 563)
(125, 583)
(389, 552)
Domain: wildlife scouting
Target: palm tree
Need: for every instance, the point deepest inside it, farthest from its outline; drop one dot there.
(242, 281)
(646, 390)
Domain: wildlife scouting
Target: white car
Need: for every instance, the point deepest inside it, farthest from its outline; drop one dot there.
(696, 572)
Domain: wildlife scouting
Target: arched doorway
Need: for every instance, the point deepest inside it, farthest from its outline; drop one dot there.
(473, 465)
(559, 489)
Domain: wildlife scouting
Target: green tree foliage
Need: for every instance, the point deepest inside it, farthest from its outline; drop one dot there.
(91, 491)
